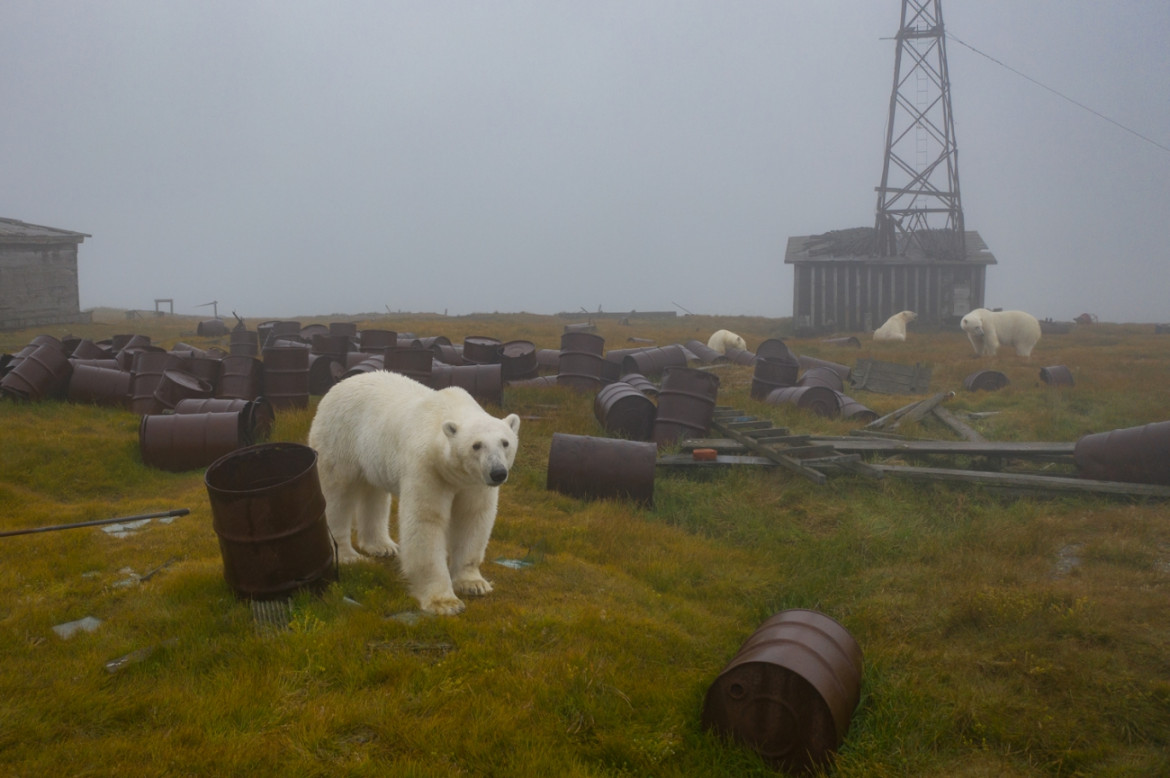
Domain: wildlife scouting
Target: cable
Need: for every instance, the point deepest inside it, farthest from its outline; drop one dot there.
(1058, 94)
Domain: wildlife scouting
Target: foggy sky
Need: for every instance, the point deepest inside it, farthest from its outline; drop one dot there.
(295, 158)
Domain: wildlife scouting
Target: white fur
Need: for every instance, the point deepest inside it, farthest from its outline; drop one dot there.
(895, 326)
(988, 330)
(381, 434)
(721, 340)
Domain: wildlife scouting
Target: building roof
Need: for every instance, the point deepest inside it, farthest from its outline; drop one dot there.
(16, 231)
(859, 245)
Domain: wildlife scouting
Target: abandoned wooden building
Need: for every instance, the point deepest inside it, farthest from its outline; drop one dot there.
(38, 275)
(842, 285)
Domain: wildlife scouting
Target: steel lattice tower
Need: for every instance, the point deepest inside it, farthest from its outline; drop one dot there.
(918, 206)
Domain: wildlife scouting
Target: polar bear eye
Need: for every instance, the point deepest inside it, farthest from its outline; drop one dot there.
(504, 443)
(476, 446)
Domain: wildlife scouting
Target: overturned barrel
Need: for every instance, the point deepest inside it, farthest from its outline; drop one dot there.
(1056, 375)
(483, 382)
(269, 515)
(686, 405)
(654, 361)
(821, 376)
(602, 468)
(623, 410)
(189, 441)
(819, 399)
(986, 381)
(99, 385)
(1133, 454)
(42, 373)
(790, 692)
(416, 363)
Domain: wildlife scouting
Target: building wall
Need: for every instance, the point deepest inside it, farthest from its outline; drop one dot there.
(847, 296)
(38, 285)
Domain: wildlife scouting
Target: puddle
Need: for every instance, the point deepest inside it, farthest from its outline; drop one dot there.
(71, 628)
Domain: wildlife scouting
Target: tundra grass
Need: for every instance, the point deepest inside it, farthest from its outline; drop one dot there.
(1003, 634)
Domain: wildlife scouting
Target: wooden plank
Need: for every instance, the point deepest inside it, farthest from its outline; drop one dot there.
(956, 447)
(784, 461)
(962, 429)
(1022, 481)
(921, 409)
(686, 462)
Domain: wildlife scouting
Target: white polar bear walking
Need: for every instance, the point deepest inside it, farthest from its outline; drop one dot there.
(721, 340)
(988, 330)
(895, 326)
(380, 435)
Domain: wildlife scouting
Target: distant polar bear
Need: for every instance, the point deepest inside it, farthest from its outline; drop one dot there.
(722, 340)
(988, 330)
(895, 326)
(381, 434)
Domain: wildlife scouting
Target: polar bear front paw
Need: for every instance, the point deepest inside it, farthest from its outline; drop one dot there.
(475, 587)
(384, 548)
(442, 605)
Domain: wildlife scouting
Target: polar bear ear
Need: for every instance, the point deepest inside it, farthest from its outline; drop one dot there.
(513, 421)
(450, 429)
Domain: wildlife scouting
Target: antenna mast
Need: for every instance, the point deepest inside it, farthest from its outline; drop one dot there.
(918, 206)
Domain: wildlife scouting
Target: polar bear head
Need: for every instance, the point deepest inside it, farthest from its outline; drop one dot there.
(973, 322)
(907, 316)
(483, 448)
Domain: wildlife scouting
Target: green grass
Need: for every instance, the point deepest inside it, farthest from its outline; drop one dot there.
(1003, 635)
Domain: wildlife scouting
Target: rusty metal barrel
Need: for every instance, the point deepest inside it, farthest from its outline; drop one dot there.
(654, 361)
(852, 409)
(377, 341)
(286, 376)
(518, 358)
(819, 399)
(417, 363)
(483, 382)
(821, 376)
(790, 692)
(775, 348)
(579, 365)
(704, 353)
(641, 383)
(602, 468)
(40, 374)
(771, 373)
(849, 340)
(189, 441)
(481, 349)
(808, 363)
(178, 385)
(344, 329)
(257, 416)
(686, 405)
(87, 349)
(109, 386)
(324, 371)
(146, 368)
(985, 380)
(623, 410)
(244, 343)
(1056, 375)
(240, 376)
(1133, 454)
(268, 513)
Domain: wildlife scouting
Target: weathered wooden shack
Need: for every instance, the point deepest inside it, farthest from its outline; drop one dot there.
(38, 275)
(842, 285)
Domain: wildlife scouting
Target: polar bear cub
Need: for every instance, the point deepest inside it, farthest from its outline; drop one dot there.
(895, 326)
(721, 340)
(988, 330)
(380, 435)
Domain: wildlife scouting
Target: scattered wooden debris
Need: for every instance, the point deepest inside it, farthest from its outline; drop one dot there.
(890, 377)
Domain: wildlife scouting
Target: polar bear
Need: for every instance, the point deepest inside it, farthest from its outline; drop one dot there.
(988, 330)
(895, 326)
(721, 340)
(380, 435)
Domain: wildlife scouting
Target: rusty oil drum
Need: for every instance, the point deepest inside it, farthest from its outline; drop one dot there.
(1056, 375)
(189, 441)
(790, 692)
(686, 405)
(772, 373)
(268, 512)
(623, 410)
(602, 468)
(580, 362)
(985, 380)
(41, 373)
(1133, 455)
(99, 385)
(819, 399)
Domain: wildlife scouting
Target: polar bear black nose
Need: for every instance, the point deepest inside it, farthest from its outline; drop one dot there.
(499, 475)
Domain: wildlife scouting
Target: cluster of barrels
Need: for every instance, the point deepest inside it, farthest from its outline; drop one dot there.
(781, 377)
